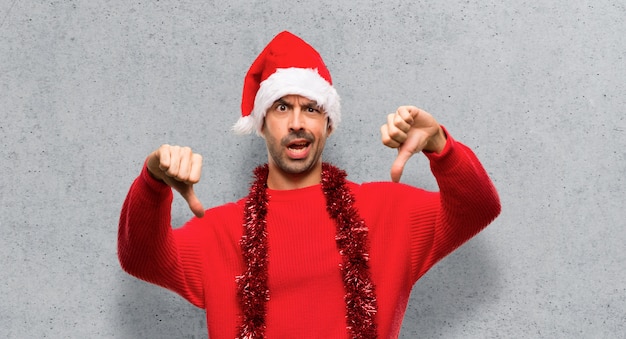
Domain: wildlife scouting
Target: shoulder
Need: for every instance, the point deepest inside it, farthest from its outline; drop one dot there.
(219, 223)
(224, 215)
(383, 187)
(234, 209)
(385, 192)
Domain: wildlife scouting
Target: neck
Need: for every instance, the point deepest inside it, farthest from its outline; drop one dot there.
(278, 179)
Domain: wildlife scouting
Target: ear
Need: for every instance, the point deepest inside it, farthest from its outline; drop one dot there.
(329, 126)
(262, 133)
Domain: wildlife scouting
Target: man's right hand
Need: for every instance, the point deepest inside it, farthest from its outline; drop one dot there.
(179, 168)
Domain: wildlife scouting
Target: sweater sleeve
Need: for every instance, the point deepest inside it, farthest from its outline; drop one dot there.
(148, 247)
(467, 201)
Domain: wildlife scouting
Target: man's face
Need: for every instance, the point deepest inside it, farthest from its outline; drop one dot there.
(295, 132)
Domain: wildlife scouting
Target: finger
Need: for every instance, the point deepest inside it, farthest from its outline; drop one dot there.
(386, 139)
(398, 165)
(174, 154)
(396, 133)
(196, 169)
(405, 114)
(422, 118)
(184, 166)
(194, 203)
(163, 154)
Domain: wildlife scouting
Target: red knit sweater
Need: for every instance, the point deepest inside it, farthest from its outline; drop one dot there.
(410, 230)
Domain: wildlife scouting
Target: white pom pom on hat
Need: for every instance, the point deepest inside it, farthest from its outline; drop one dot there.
(286, 66)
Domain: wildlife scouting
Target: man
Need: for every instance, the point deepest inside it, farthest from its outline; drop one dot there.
(307, 254)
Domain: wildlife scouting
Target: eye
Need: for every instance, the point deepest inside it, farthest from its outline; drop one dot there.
(281, 107)
(313, 110)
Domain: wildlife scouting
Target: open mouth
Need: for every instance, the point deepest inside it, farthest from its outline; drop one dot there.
(298, 148)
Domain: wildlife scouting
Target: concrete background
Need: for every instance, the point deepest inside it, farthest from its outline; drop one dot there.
(88, 89)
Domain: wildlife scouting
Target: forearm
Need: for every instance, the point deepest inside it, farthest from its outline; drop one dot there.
(468, 198)
(144, 228)
(148, 248)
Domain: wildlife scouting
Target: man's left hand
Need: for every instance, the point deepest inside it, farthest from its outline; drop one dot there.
(411, 130)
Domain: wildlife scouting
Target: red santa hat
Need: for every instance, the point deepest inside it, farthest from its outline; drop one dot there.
(286, 66)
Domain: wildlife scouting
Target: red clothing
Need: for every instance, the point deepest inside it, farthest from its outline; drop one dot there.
(410, 230)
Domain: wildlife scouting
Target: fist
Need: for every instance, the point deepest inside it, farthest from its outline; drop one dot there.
(411, 130)
(179, 168)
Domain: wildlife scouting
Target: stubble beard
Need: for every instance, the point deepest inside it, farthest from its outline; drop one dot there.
(294, 166)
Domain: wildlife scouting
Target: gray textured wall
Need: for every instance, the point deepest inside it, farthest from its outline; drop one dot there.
(88, 89)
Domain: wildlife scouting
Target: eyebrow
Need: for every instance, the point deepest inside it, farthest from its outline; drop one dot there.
(281, 102)
(310, 104)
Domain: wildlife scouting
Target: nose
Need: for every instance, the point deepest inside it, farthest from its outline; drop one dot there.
(296, 120)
